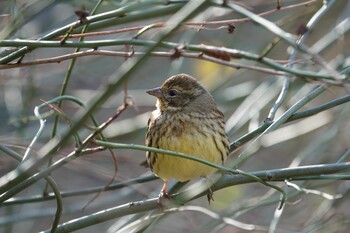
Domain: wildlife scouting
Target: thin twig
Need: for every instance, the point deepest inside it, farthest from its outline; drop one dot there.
(315, 192)
(12, 182)
(199, 56)
(212, 53)
(189, 24)
(225, 181)
(51, 182)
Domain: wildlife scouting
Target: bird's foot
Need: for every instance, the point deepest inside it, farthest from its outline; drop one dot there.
(210, 195)
(161, 197)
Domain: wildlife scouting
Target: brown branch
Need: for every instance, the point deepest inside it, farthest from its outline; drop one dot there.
(114, 157)
(193, 25)
(199, 56)
(244, 20)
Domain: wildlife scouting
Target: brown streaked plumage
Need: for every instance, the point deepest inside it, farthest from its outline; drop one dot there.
(186, 120)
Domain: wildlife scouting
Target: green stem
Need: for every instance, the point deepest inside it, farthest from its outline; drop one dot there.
(290, 39)
(169, 45)
(225, 181)
(344, 156)
(282, 119)
(296, 116)
(181, 155)
(120, 12)
(80, 192)
(66, 81)
(70, 70)
(29, 167)
(50, 181)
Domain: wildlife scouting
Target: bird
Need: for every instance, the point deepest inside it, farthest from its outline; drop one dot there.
(186, 120)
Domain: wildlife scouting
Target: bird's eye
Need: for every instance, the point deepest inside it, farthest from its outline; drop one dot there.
(173, 92)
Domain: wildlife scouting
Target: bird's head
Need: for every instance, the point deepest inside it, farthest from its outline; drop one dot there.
(179, 92)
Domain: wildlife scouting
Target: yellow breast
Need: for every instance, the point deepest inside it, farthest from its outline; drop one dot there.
(202, 142)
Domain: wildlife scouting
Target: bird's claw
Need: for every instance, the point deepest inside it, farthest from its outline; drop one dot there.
(162, 195)
(210, 195)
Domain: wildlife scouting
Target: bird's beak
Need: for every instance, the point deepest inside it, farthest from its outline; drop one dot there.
(157, 92)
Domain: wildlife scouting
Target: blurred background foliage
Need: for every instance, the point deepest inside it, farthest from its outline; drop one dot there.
(245, 95)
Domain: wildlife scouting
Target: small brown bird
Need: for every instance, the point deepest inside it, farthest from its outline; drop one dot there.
(186, 120)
